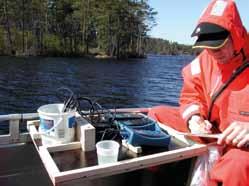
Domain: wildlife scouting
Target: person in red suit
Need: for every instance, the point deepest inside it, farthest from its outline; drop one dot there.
(215, 92)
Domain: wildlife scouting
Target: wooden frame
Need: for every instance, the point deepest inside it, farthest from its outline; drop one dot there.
(78, 175)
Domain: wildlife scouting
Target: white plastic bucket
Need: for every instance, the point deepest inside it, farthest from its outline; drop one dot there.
(56, 127)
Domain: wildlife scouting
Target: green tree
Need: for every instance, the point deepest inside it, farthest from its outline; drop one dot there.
(77, 27)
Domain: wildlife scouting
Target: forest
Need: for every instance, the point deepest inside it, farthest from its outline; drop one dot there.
(112, 28)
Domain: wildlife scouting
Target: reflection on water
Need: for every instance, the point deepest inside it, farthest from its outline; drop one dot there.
(27, 83)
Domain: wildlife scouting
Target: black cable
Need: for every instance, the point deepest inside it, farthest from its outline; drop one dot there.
(101, 118)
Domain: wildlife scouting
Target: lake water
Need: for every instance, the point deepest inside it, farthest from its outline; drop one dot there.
(27, 83)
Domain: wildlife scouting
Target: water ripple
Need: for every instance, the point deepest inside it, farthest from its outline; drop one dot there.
(27, 83)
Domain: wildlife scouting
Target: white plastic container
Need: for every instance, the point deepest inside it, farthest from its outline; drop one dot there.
(107, 151)
(56, 127)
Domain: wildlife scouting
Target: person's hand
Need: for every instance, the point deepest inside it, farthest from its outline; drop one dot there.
(198, 125)
(236, 134)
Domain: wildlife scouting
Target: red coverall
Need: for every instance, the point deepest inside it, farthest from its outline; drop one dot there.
(202, 78)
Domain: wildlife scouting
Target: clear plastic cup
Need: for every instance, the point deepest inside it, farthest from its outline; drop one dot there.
(107, 151)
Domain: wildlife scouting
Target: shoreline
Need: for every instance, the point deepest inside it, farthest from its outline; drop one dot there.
(91, 56)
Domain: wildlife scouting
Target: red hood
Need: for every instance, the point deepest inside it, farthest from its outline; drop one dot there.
(225, 14)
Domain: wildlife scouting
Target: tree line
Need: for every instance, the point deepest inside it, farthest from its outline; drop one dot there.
(162, 46)
(115, 28)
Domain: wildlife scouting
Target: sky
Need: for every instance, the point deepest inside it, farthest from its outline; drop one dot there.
(176, 19)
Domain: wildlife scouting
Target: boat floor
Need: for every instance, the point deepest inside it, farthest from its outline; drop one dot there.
(20, 165)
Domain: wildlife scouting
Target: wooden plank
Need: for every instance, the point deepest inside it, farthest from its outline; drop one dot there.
(137, 149)
(175, 134)
(85, 134)
(64, 147)
(33, 132)
(49, 163)
(131, 164)
(32, 128)
(144, 110)
(14, 130)
(33, 123)
(5, 139)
